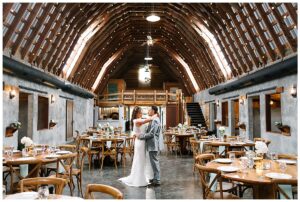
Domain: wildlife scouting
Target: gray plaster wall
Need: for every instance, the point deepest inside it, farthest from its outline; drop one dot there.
(280, 143)
(82, 112)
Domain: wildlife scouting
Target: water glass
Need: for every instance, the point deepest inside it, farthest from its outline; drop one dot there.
(244, 164)
(232, 157)
(273, 156)
(43, 192)
(282, 166)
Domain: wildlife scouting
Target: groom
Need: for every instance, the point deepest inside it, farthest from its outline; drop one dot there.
(151, 138)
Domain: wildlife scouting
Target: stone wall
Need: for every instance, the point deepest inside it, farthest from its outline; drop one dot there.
(280, 143)
(82, 112)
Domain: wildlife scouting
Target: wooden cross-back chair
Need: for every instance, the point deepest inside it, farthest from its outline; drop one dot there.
(112, 151)
(128, 148)
(114, 192)
(277, 190)
(66, 161)
(93, 150)
(77, 172)
(172, 145)
(195, 149)
(34, 167)
(32, 184)
(207, 184)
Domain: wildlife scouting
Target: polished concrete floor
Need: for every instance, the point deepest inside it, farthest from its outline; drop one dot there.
(177, 180)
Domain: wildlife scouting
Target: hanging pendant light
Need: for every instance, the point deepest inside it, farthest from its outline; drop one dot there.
(153, 18)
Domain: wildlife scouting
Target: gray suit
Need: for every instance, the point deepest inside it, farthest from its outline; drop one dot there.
(151, 138)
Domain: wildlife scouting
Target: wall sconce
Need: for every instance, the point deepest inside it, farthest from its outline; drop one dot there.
(294, 91)
(52, 99)
(242, 100)
(217, 103)
(12, 94)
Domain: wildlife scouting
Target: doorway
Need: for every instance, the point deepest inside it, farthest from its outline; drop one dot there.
(25, 116)
(254, 117)
(235, 117)
(69, 120)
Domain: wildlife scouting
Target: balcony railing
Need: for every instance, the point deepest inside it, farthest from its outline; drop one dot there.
(139, 97)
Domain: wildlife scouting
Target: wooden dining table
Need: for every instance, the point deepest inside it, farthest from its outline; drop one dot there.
(262, 185)
(229, 145)
(182, 139)
(34, 196)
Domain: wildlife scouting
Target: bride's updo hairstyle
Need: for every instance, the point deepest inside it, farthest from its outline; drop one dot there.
(135, 111)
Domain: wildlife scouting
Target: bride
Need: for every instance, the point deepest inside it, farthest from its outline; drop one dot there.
(141, 170)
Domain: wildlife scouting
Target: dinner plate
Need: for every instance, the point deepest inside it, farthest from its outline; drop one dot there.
(23, 195)
(51, 156)
(16, 151)
(278, 176)
(228, 169)
(243, 157)
(223, 160)
(25, 159)
(287, 161)
(63, 152)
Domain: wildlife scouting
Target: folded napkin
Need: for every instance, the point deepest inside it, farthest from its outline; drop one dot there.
(24, 170)
(108, 144)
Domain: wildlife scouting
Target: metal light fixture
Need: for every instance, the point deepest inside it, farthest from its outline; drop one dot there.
(294, 91)
(52, 99)
(217, 103)
(148, 58)
(153, 18)
(12, 94)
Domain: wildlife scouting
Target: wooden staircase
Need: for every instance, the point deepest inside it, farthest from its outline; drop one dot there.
(195, 113)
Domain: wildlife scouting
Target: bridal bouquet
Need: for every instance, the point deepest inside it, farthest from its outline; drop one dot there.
(261, 147)
(26, 141)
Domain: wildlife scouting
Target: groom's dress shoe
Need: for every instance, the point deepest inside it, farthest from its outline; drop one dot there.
(155, 183)
(151, 180)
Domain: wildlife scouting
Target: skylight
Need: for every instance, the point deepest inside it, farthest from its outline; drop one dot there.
(215, 49)
(78, 48)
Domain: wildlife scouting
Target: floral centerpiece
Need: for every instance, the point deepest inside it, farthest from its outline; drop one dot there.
(222, 130)
(99, 126)
(25, 142)
(16, 125)
(261, 148)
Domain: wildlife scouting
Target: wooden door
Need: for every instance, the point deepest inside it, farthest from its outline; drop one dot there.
(172, 116)
(69, 120)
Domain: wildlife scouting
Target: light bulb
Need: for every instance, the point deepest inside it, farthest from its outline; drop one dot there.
(153, 18)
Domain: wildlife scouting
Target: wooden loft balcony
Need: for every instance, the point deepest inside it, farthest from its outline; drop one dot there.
(140, 97)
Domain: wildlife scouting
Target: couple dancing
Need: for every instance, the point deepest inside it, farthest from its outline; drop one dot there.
(145, 166)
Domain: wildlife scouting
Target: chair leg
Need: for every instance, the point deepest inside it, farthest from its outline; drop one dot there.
(90, 159)
(116, 161)
(102, 162)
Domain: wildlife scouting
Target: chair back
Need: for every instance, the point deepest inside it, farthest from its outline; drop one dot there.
(287, 156)
(278, 189)
(237, 154)
(34, 164)
(194, 146)
(66, 161)
(208, 183)
(202, 159)
(68, 147)
(115, 193)
(83, 152)
(33, 184)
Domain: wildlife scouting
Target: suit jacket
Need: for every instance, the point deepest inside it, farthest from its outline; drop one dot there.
(151, 135)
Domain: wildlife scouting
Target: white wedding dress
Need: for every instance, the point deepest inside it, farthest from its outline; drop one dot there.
(141, 170)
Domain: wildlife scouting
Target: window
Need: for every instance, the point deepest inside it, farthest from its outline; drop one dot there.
(273, 111)
(43, 113)
(225, 113)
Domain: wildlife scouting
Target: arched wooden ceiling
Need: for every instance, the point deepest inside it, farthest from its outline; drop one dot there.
(250, 35)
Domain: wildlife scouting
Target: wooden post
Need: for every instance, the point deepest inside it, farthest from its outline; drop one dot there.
(122, 98)
(167, 96)
(134, 96)
(154, 96)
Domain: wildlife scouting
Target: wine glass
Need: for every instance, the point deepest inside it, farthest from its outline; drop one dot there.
(232, 157)
(244, 164)
(282, 166)
(43, 192)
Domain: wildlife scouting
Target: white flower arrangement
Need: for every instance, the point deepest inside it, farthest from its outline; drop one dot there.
(222, 130)
(111, 128)
(179, 125)
(261, 147)
(16, 125)
(26, 141)
(99, 126)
